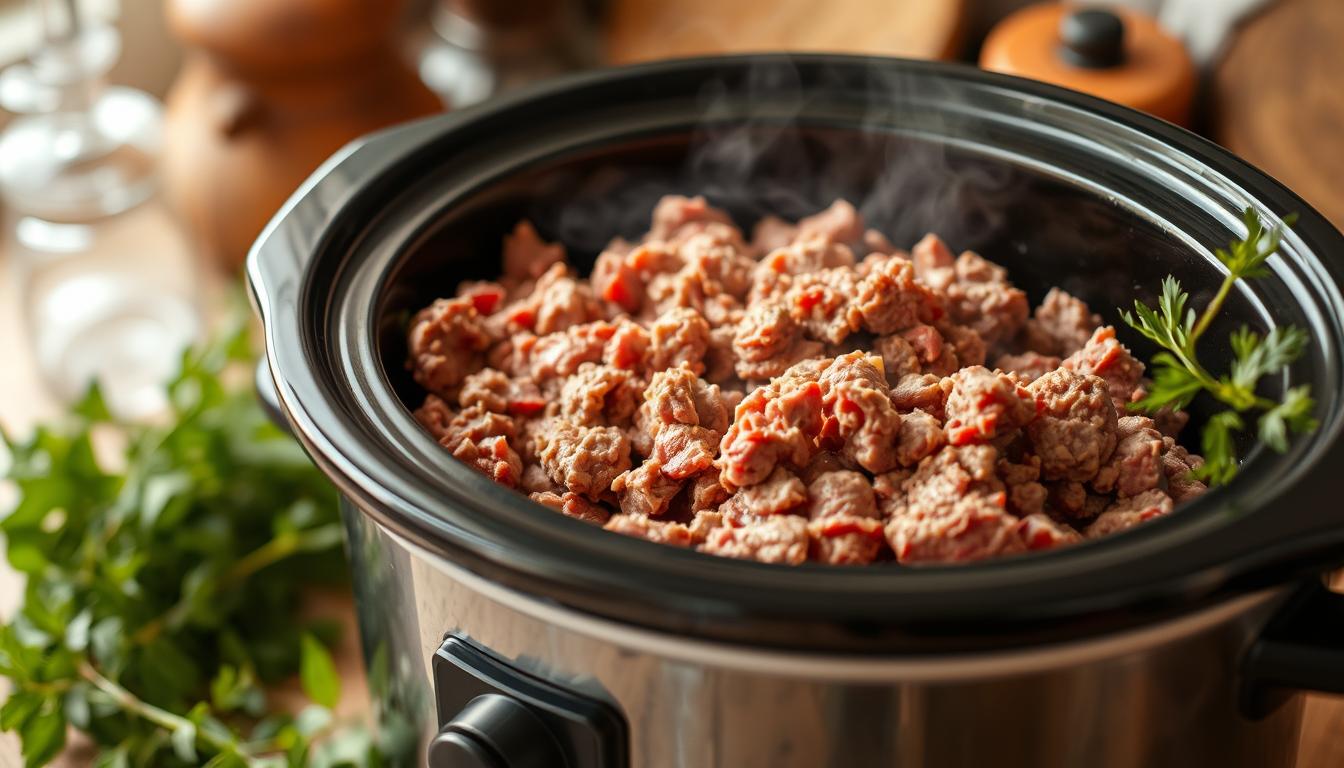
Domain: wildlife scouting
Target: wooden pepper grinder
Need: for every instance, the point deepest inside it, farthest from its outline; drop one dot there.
(269, 90)
(1115, 53)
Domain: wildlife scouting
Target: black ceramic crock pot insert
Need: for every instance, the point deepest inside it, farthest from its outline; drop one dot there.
(1061, 188)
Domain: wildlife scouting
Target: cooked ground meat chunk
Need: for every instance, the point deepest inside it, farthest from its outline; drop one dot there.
(814, 393)
(1075, 431)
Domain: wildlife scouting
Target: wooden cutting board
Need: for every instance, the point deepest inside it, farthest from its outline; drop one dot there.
(1279, 102)
(643, 30)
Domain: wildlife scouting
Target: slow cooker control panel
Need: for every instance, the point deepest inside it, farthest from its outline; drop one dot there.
(493, 715)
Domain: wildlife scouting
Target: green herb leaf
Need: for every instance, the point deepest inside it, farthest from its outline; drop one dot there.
(318, 673)
(1294, 414)
(43, 735)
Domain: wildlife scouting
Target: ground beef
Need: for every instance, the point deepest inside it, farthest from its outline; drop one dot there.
(447, 341)
(1103, 356)
(1074, 432)
(573, 505)
(583, 459)
(843, 522)
(817, 394)
(1060, 326)
(1129, 511)
(779, 539)
(982, 405)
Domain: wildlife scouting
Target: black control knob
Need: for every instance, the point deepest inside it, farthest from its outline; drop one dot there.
(495, 731)
(1092, 38)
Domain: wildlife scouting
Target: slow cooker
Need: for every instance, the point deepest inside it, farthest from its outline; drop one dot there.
(518, 637)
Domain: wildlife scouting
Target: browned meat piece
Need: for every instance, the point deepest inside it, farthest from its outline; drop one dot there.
(1068, 498)
(683, 419)
(713, 273)
(1136, 464)
(862, 424)
(492, 457)
(977, 290)
(970, 349)
(1075, 431)
(628, 346)
(1029, 366)
(927, 344)
(983, 405)
(678, 337)
(598, 395)
(720, 358)
(434, 415)
(494, 391)
(675, 214)
(685, 450)
(706, 492)
(950, 474)
(561, 354)
(898, 357)
(920, 390)
(535, 479)
(769, 341)
(527, 256)
(777, 539)
(485, 296)
(447, 341)
(771, 233)
(840, 223)
(1060, 326)
(1105, 357)
(1129, 512)
(844, 526)
(820, 304)
(802, 257)
(645, 490)
(970, 528)
(573, 505)
(583, 459)
(889, 298)
(657, 531)
(756, 443)
(780, 492)
(560, 301)
(617, 280)
(1039, 532)
(1026, 495)
(1177, 464)
(921, 435)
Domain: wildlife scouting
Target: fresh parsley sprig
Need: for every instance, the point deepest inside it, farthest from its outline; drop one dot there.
(164, 566)
(1178, 376)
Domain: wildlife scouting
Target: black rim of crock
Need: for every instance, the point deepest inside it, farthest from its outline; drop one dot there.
(1259, 532)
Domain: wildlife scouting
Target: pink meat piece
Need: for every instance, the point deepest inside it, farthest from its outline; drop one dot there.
(777, 539)
(769, 341)
(889, 298)
(971, 528)
(1026, 495)
(1075, 431)
(924, 391)
(657, 531)
(492, 457)
(978, 292)
(645, 490)
(678, 337)
(771, 233)
(861, 423)
(585, 460)
(682, 419)
(1029, 366)
(527, 256)
(1060, 326)
(779, 493)
(495, 391)
(820, 304)
(843, 520)
(898, 357)
(840, 223)
(775, 423)
(560, 301)
(983, 405)
(560, 354)
(447, 341)
(1136, 464)
(600, 395)
(573, 505)
(1129, 511)
(1177, 464)
(677, 218)
(1105, 357)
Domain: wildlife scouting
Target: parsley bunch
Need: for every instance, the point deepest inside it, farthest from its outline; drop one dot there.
(163, 578)
(1178, 375)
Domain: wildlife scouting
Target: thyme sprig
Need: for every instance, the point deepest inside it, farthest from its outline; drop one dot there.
(1178, 376)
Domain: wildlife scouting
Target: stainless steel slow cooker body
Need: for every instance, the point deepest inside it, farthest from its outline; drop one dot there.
(521, 636)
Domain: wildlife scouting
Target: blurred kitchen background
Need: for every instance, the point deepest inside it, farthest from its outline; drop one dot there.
(144, 144)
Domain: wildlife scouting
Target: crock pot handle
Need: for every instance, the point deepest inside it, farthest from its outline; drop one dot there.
(269, 398)
(1301, 649)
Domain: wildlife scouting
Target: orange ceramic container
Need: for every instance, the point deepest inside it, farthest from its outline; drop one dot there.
(1132, 62)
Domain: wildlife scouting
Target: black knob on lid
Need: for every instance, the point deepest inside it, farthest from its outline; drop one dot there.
(495, 731)
(1093, 38)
